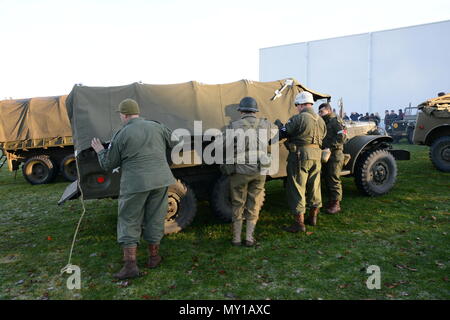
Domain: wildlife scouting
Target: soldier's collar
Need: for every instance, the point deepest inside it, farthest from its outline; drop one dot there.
(309, 110)
(248, 116)
(133, 120)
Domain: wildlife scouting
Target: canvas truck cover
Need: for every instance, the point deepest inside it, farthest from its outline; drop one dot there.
(438, 107)
(34, 118)
(92, 110)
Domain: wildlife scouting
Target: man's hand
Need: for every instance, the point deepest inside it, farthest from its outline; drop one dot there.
(97, 145)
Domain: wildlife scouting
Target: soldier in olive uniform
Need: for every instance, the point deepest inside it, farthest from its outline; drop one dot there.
(139, 148)
(247, 181)
(334, 140)
(305, 132)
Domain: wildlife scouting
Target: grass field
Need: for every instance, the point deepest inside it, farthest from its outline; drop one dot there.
(405, 233)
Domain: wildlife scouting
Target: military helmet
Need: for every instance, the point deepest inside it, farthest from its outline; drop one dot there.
(304, 97)
(248, 104)
(129, 107)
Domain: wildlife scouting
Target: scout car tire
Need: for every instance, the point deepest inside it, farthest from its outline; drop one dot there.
(440, 154)
(220, 199)
(68, 168)
(39, 170)
(182, 207)
(376, 172)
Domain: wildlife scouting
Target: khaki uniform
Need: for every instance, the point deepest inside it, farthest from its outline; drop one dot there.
(247, 182)
(334, 140)
(139, 148)
(305, 132)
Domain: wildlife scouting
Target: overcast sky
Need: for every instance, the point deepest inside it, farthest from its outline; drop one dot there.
(49, 45)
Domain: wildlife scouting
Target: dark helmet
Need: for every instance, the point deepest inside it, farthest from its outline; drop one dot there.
(248, 104)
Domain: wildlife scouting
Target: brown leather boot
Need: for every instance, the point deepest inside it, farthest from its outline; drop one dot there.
(154, 258)
(334, 207)
(130, 269)
(298, 225)
(312, 217)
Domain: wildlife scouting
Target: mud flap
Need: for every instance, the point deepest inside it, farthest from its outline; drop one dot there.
(71, 192)
(400, 154)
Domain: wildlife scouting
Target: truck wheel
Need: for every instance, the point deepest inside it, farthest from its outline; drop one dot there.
(221, 201)
(375, 173)
(182, 207)
(39, 170)
(68, 167)
(440, 154)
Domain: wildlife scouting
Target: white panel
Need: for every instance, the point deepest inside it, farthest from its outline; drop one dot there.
(339, 67)
(410, 65)
(283, 62)
(372, 72)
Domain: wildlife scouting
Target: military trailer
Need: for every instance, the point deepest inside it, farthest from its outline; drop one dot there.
(433, 130)
(403, 128)
(36, 134)
(92, 112)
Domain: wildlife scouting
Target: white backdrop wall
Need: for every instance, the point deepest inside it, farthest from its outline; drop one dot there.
(372, 71)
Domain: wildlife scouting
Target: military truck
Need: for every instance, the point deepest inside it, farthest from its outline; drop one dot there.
(403, 128)
(92, 112)
(35, 133)
(433, 130)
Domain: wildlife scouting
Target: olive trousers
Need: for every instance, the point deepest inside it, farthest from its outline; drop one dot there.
(303, 184)
(142, 213)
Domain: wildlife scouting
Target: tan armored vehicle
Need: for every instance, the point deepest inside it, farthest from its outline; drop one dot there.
(433, 129)
(36, 134)
(92, 112)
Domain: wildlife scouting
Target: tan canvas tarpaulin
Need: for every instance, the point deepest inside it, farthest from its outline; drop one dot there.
(34, 118)
(438, 107)
(92, 110)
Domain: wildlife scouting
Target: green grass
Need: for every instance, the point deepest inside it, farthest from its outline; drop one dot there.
(405, 233)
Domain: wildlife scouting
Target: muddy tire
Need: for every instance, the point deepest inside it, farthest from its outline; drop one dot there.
(68, 168)
(220, 199)
(440, 153)
(39, 170)
(376, 172)
(182, 207)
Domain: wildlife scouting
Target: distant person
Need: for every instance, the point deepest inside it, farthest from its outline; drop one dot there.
(377, 118)
(393, 115)
(354, 116)
(345, 117)
(401, 115)
(387, 118)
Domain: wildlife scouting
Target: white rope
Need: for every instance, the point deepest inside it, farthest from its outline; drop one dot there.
(68, 268)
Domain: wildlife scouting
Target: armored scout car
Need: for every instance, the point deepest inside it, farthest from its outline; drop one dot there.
(433, 129)
(92, 112)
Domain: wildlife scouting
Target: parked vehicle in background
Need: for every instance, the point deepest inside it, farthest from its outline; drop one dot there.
(92, 112)
(35, 133)
(433, 129)
(403, 128)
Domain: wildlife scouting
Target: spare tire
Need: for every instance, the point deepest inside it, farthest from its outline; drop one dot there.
(182, 207)
(39, 170)
(68, 167)
(375, 172)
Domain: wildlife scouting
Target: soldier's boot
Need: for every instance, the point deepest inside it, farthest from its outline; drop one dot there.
(298, 225)
(334, 207)
(312, 217)
(237, 230)
(154, 258)
(130, 269)
(249, 238)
